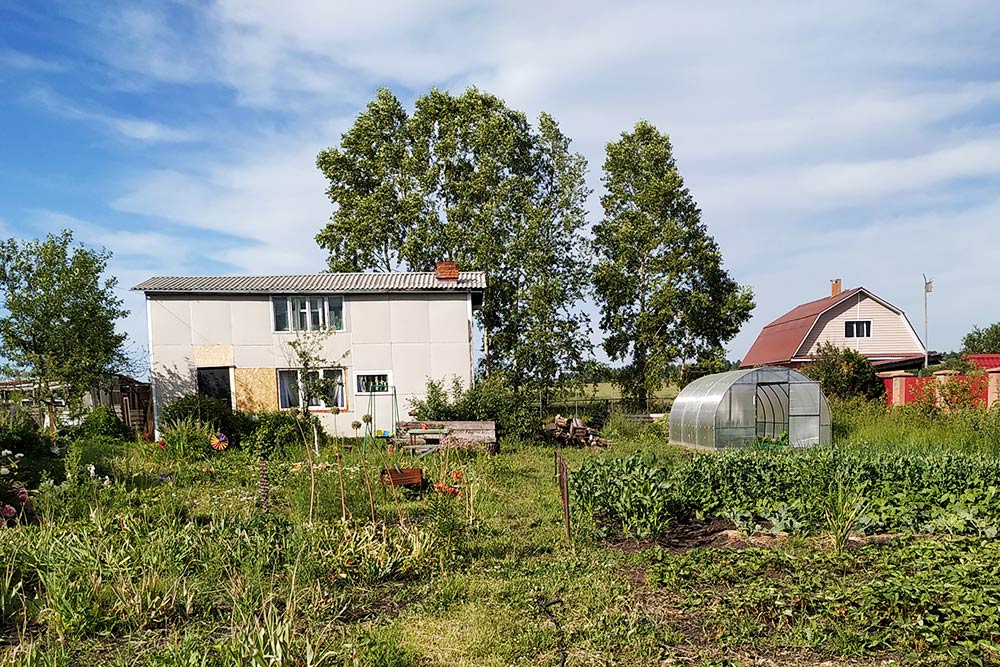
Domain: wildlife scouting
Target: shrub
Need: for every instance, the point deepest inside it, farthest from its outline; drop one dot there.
(275, 433)
(20, 433)
(103, 422)
(491, 399)
(844, 373)
(212, 412)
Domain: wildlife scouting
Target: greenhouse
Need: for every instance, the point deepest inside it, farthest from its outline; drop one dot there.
(739, 408)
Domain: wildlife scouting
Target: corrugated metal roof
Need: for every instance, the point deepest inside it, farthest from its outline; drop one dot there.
(474, 281)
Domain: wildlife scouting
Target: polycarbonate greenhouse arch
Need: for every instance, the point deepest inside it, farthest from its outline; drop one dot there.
(737, 408)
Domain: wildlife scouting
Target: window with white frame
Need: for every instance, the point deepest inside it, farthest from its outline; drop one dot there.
(291, 392)
(858, 329)
(308, 313)
(373, 382)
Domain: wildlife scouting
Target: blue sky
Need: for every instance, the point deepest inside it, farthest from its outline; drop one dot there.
(856, 140)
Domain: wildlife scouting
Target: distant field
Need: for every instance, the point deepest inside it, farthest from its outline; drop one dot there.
(608, 390)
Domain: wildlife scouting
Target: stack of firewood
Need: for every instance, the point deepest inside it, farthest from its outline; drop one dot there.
(572, 432)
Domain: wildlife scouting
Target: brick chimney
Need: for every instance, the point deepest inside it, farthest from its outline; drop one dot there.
(446, 271)
(835, 287)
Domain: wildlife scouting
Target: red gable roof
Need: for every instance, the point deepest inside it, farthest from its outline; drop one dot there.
(779, 340)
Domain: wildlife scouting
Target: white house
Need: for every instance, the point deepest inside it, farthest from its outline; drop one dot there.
(380, 335)
(855, 318)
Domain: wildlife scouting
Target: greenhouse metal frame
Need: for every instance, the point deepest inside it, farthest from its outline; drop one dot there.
(739, 408)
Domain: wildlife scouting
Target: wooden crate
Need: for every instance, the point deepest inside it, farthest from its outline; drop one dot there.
(403, 477)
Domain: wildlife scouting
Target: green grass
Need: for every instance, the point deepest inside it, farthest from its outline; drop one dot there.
(176, 564)
(607, 390)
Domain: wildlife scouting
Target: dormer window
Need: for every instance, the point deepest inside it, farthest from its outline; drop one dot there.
(308, 313)
(858, 329)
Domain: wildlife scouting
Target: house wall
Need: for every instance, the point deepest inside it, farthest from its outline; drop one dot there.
(415, 337)
(890, 332)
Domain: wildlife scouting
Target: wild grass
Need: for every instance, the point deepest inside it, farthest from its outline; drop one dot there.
(866, 425)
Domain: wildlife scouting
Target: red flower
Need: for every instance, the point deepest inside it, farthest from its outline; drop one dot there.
(163, 444)
(456, 475)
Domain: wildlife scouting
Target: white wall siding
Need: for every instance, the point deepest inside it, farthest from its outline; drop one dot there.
(890, 332)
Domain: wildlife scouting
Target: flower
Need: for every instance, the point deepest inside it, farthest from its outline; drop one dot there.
(19, 455)
(4, 471)
(8, 511)
(163, 444)
(452, 491)
(147, 437)
(22, 494)
(91, 469)
(456, 475)
(6, 452)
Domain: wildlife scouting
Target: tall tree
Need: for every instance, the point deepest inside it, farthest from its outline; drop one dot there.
(664, 296)
(548, 333)
(61, 314)
(377, 203)
(466, 178)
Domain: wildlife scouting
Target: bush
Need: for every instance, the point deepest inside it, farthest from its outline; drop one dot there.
(20, 433)
(844, 373)
(491, 399)
(215, 414)
(276, 433)
(103, 422)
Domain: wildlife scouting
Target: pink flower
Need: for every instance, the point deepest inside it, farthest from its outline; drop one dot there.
(22, 494)
(8, 511)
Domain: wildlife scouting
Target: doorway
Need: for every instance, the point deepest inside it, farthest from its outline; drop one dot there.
(771, 403)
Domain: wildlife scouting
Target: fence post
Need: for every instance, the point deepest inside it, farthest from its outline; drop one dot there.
(562, 477)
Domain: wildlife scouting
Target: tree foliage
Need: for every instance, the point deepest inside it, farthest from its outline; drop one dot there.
(467, 179)
(664, 295)
(61, 314)
(844, 373)
(982, 341)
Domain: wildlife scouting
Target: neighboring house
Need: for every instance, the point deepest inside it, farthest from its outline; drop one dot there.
(855, 318)
(128, 398)
(383, 336)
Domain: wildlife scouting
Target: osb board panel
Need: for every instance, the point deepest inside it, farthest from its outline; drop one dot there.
(212, 355)
(256, 389)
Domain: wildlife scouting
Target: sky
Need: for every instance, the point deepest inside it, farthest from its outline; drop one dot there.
(856, 140)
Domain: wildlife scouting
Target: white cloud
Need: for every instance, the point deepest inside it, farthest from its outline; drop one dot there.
(25, 61)
(138, 129)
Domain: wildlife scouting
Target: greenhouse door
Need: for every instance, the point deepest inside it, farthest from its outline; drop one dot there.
(771, 402)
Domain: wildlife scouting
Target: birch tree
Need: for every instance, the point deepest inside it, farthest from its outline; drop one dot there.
(665, 298)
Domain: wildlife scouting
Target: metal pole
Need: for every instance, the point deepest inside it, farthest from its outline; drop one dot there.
(928, 287)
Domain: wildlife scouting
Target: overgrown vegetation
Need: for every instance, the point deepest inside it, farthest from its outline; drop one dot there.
(876, 549)
(491, 399)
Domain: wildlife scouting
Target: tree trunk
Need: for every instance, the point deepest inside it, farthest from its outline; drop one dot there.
(51, 408)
